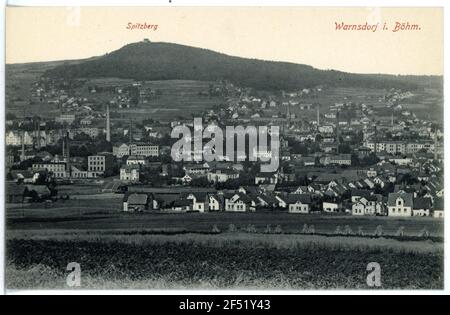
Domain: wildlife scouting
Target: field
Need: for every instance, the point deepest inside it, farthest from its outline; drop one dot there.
(230, 261)
(174, 251)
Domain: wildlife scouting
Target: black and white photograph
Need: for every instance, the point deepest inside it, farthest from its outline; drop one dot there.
(224, 148)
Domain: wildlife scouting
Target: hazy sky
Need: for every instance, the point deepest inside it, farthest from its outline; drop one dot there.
(300, 35)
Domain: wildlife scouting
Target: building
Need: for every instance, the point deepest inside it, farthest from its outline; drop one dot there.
(438, 208)
(146, 150)
(92, 132)
(130, 173)
(239, 202)
(137, 202)
(266, 178)
(222, 175)
(421, 207)
(196, 169)
(121, 150)
(65, 119)
(136, 160)
(368, 205)
(14, 138)
(400, 204)
(341, 159)
(200, 201)
(299, 203)
(100, 163)
(215, 203)
(331, 207)
(57, 168)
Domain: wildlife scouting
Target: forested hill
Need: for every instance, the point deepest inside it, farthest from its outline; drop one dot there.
(166, 61)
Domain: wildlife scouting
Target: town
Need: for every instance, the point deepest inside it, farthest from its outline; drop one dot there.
(355, 156)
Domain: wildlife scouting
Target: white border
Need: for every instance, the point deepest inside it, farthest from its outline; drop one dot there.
(308, 3)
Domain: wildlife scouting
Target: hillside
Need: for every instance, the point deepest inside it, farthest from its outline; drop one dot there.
(166, 61)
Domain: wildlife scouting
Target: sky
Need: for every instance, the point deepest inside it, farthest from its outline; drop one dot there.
(292, 34)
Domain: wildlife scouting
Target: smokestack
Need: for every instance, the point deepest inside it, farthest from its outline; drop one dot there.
(39, 135)
(435, 145)
(68, 154)
(337, 131)
(22, 140)
(108, 130)
(130, 132)
(318, 115)
(375, 140)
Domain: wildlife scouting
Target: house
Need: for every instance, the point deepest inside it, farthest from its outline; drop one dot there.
(100, 163)
(136, 160)
(267, 200)
(200, 201)
(130, 173)
(181, 205)
(196, 169)
(309, 161)
(137, 202)
(357, 194)
(400, 204)
(341, 159)
(282, 201)
(58, 169)
(438, 208)
(421, 207)
(121, 150)
(266, 178)
(215, 202)
(239, 202)
(144, 149)
(371, 205)
(302, 190)
(222, 175)
(331, 207)
(299, 203)
(15, 193)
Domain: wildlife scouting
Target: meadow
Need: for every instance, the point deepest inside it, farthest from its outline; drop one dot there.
(115, 259)
(162, 250)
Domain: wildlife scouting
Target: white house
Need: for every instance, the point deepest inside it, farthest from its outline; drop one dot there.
(136, 160)
(299, 203)
(239, 203)
(129, 173)
(199, 201)
(330, 207)
(222, 175)
(371, 205)
(400, 204)
(214, 203)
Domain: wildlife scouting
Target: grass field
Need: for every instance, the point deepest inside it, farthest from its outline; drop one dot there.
(162, 250)
(116, 260)
(106, 214)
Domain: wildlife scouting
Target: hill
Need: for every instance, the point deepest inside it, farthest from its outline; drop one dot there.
(166, 61)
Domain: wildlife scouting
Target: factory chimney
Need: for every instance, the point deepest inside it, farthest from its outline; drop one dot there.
(69, 168)
(435, 144)
(130, 133)
(39, 134)
(22, 141)
(318, 115)
(108, 127)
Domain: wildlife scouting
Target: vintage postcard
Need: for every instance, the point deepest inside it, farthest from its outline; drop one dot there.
(224, 148)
